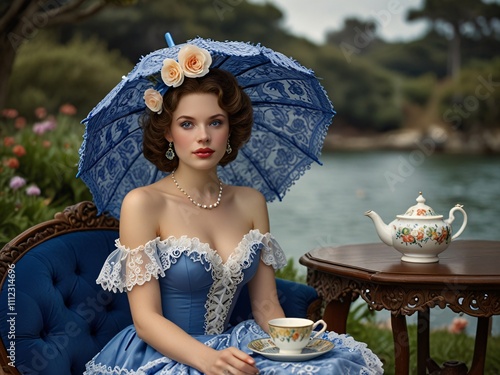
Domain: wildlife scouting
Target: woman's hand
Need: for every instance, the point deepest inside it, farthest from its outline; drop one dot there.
(231, 361)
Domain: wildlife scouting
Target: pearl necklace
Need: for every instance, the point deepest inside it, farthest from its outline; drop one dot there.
(192, 200)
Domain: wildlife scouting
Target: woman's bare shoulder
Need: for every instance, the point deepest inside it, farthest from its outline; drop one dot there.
(248, 195)
(140, 214)
(253, 205)
(145, 199)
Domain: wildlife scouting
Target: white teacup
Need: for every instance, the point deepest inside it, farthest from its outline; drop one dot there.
(291, 335)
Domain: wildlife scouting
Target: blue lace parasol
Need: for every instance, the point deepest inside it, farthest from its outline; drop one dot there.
(291, 116)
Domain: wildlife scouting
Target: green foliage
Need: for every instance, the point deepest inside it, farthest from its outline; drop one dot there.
(363, 95)
(364, 75)
(444, 346)
(48, 74)
(216, 19)
(19, 210)
(413, 59)
(419, 90)
(462, 16)
(472, 102)
(45, 155)
(290, 272)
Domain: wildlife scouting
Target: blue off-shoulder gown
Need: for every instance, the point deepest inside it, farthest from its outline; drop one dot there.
(198, 293)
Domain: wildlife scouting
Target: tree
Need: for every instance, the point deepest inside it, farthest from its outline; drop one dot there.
(413, 58)
(139, 30)
(458, 19)
(21, 20)
(356, 37)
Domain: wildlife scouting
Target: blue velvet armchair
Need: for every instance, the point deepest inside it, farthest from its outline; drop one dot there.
(53, 315)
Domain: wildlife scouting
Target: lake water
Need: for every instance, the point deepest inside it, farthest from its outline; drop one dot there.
(326, 206)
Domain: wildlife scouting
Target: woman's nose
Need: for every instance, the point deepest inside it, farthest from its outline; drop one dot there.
(203, 134)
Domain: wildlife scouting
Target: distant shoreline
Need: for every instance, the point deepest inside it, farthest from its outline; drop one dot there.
(486, 142)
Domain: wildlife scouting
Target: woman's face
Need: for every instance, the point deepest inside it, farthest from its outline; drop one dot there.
(199, 130)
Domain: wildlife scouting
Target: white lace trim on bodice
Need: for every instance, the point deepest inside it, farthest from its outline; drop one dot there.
(124, 268)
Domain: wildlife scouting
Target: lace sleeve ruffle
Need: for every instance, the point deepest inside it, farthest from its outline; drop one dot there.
(126, 267)
(272, 254)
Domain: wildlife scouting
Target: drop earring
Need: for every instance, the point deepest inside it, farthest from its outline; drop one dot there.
(170, 154)
(228, 148)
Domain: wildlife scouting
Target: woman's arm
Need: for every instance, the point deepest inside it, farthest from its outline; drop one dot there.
(138, 225)
(264, 296)
(262, 287)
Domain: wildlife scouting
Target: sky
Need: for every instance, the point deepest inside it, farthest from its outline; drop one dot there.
(313, 18)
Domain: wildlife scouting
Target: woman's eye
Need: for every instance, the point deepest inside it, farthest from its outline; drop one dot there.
(186, 124)
(216, 123)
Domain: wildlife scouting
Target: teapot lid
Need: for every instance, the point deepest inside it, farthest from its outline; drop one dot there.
(420, 210)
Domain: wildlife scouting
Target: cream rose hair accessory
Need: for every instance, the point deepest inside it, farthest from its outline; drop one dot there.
(193, 62)
(153, 100)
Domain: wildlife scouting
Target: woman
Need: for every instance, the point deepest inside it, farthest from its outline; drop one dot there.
(188, 244)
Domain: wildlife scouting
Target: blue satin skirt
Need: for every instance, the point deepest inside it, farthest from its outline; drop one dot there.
(127, 354)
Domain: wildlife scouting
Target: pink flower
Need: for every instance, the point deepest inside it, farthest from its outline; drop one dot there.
(67, 109)
(153, 100)
(33, 190)
(40, 128)
(17, 182)
(458, 325)
(171, 73)
(195, 61)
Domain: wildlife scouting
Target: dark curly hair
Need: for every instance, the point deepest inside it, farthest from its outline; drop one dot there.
(232, 99)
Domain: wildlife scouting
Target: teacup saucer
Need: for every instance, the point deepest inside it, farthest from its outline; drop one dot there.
(266, 347)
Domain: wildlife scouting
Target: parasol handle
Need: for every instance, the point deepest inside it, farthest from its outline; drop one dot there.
(169, 39)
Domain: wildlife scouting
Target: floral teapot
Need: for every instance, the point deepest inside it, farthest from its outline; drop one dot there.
(420, 234)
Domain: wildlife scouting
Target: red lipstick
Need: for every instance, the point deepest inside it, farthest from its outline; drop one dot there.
(204, 152)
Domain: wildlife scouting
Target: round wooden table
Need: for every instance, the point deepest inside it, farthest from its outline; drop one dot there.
(466, 279)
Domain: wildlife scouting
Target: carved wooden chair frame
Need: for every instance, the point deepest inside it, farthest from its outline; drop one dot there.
(78, 217)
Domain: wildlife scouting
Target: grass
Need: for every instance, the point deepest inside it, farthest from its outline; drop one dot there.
(444, 346)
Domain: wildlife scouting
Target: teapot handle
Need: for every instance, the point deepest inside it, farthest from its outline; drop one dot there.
(458, 207)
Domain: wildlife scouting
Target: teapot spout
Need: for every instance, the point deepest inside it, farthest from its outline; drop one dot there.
(383, 230)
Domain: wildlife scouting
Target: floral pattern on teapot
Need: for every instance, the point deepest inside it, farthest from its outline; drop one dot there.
(420, 235)
(420, 212)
